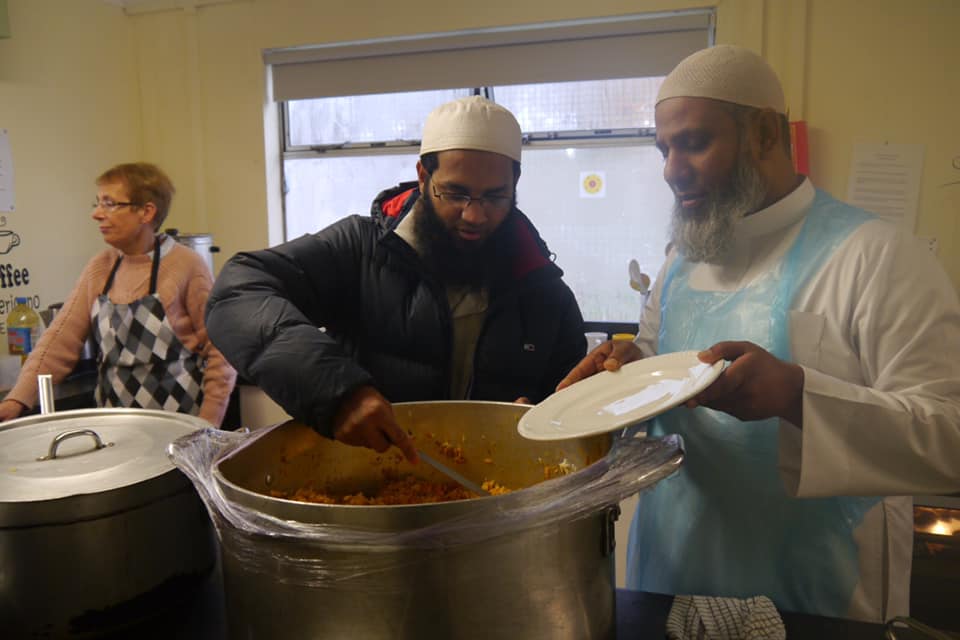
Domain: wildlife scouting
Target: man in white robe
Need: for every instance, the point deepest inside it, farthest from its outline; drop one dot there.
(842, 395)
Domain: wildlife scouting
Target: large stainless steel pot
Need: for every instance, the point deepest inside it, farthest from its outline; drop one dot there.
(202, 243)
(534, 564)
(95, 520)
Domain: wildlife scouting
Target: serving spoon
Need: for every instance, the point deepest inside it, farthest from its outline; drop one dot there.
(453, 475)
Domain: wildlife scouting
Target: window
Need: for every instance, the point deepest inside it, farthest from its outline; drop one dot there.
(342, 151)
(592, 179)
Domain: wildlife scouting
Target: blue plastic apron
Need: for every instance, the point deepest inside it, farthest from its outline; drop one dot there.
(724, 524)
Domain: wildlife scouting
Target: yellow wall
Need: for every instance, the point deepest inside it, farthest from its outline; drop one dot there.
(891, 77)
(68, 99)
(192, 86)
(871, 72)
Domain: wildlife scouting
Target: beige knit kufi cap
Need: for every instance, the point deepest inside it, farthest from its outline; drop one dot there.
(725, 72)
(473, 123)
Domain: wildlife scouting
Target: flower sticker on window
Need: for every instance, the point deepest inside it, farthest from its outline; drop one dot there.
(593, 184)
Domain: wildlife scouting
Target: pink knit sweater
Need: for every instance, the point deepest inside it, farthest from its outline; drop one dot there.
(183, 284)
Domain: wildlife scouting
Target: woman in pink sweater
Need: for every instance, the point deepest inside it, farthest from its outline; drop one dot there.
(142, 300)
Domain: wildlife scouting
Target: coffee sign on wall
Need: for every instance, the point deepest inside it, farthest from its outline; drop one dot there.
(14, 276)
(8, 238)
(14, 280)
(11, 275)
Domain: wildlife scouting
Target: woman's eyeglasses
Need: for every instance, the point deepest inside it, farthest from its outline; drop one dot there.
(109, 205)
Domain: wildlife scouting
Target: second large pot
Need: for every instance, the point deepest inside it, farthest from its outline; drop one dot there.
(535, 564)
(96, 525)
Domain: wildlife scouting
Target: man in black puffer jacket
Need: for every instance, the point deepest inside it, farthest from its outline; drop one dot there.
(445, 292)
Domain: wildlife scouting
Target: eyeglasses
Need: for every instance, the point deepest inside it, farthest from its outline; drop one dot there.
(109, 205)
(462, 200)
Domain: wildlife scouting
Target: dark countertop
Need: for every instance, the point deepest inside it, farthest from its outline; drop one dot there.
(74, 392)
(639, 615)
(644, 615)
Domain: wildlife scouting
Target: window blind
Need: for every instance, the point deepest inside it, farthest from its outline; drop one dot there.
(620, 47)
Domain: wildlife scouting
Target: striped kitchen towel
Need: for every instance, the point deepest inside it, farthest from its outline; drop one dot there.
(712, 618)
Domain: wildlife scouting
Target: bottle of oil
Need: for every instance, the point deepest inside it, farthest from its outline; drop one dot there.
(23, 329)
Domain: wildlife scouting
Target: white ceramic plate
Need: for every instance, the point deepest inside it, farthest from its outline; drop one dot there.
(609, 400)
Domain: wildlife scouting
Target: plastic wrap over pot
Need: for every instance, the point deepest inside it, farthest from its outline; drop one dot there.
(632, 465)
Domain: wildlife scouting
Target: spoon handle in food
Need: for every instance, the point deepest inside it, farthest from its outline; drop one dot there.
(450, 473)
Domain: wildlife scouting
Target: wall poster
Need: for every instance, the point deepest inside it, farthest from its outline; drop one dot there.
(6, 172)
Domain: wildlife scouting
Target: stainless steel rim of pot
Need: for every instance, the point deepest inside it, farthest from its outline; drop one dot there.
(240, 476)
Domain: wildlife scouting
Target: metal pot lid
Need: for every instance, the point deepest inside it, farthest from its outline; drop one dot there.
(176, 235)
(87, 451)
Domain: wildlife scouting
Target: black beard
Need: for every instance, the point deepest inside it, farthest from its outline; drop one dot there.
(454, 260)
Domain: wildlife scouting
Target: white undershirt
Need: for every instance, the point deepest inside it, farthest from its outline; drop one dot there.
(468, 309)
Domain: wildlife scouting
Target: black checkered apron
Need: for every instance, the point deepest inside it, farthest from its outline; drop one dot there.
(143, 364)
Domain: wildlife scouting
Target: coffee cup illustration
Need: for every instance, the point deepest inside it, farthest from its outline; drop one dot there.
(8, 240)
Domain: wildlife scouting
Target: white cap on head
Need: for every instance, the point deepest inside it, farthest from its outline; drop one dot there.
(725, 72)
(473, 123)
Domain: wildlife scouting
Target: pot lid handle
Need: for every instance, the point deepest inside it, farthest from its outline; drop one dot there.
(66, 435)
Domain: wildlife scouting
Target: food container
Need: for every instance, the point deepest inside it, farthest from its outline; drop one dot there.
(96, 524)
(535, 563)
(202, 243)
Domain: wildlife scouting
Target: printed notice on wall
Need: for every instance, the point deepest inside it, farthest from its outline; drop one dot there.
(6, 172)
(885, 179)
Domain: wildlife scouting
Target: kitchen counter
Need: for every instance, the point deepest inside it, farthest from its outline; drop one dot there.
(200, 615)
(644, 615)
(198, 612)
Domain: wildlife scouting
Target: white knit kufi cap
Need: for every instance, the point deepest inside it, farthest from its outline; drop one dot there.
(725, 72)
(473, 123)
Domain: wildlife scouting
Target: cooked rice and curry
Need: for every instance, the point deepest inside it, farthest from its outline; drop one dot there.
(405, 488)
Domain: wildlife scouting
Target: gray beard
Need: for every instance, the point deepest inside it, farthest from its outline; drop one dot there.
(706, 234)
